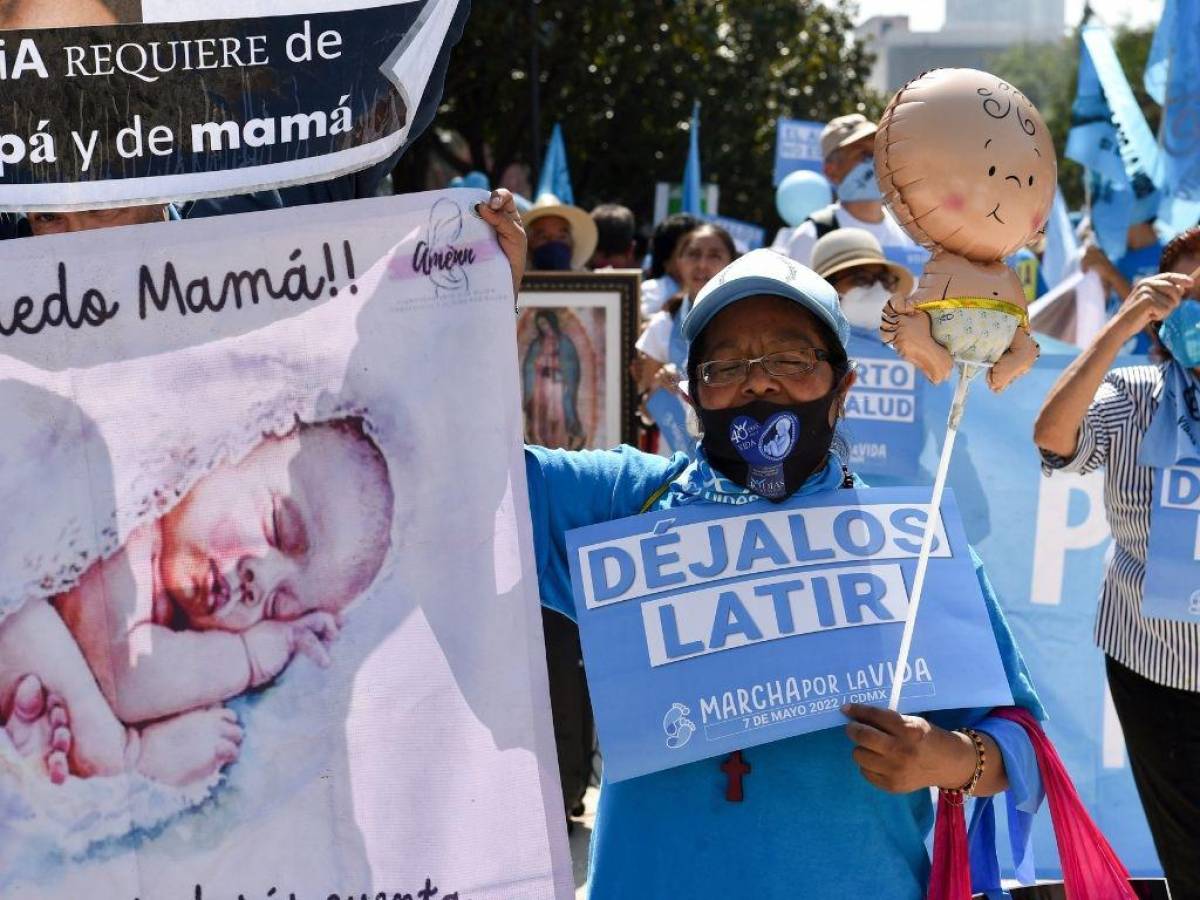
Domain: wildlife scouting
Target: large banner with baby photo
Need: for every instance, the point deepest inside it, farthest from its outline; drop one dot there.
(269, 623)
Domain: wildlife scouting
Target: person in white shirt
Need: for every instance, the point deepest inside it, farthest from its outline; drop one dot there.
(848, 148)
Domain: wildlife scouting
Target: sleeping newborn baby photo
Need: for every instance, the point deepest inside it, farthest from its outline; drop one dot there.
(129, 669)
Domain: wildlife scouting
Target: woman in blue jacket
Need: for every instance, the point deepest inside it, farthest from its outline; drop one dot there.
(838, 813)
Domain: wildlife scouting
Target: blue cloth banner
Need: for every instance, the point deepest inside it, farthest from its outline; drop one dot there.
(797, 146)
(1172, 77)
(691, 171)
(556, 175)
(885, 412)
(670, 415)
(1172, 588)
(1043, 546)
(1109, 136)
(708, 629)
(747, 237)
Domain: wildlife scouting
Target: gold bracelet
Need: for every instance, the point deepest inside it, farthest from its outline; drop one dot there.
(968, 789)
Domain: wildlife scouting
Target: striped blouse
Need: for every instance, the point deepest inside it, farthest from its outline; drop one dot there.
(1164, 651)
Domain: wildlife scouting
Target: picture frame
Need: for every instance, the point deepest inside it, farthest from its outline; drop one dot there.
(575, 343)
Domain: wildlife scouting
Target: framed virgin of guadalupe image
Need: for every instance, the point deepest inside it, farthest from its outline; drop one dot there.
(575, 336)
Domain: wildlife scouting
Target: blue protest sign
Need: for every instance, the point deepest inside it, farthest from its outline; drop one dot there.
(747, 237)
(670, 415)
(797, 146)
(1172, 589)
(911, 256)
(884, 412)
(709, 629)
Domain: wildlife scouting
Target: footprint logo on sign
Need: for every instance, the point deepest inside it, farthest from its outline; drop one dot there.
(1194, 604)
(678, 726)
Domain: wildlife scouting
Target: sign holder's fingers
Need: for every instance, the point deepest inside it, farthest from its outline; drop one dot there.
(870, 738)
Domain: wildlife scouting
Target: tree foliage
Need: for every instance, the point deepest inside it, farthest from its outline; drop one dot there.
(621, 78)
(1047, 75)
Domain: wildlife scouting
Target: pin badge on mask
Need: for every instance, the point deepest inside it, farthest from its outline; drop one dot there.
(764, 447)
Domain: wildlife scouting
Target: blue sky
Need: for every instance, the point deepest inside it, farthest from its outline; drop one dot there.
(927, 15)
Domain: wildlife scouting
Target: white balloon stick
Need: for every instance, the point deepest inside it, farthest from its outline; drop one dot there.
(966, 371)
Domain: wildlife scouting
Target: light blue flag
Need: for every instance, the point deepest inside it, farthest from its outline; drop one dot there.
(1061, 246)
(1171, 75)
(1158, 63)
(1110, 137)
(1092, 142)
(691, 172)
(1136, 144)
(556, 177)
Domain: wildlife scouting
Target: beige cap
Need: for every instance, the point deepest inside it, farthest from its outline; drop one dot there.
(583, 226)
(848, 248)
(845, 130)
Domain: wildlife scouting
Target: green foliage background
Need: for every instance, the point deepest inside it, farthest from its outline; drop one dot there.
(621, 75)
(621, 78)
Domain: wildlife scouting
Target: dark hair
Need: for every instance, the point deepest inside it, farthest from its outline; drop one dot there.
(666, 235)
(1186, 243)
(616, 227)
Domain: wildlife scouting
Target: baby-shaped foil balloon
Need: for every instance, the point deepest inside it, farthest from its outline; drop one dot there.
(967, 167)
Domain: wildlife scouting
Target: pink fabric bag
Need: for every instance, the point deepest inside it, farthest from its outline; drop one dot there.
(1090, 867)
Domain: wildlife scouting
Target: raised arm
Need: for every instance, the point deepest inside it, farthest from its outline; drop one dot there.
(1057, 427)
(500, 211)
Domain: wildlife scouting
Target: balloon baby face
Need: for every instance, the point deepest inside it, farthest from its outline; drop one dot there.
(966, 164)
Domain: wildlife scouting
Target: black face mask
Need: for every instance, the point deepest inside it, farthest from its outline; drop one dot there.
(769, 448)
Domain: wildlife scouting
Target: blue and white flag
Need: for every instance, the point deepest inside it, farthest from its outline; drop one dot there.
(556, 176)
(1109, 136)
(708, 629)
(1172, 78)
(691, 171)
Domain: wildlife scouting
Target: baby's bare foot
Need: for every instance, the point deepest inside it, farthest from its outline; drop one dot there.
(189, 747)
(39, 727)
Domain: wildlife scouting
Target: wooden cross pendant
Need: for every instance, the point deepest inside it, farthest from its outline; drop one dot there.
(735, 768)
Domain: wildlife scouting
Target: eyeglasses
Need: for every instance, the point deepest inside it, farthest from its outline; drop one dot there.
(785, 364)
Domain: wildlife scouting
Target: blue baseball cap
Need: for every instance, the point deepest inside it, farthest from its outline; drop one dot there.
(767, 272)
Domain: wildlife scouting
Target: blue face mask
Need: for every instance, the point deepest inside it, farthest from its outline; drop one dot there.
(860, 183)
(553, 257)
(1180, 334)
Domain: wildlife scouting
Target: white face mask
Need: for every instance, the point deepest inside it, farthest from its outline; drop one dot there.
(863, 307)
